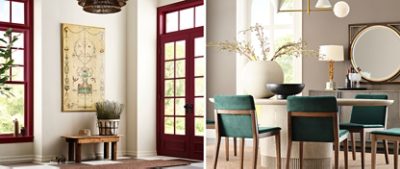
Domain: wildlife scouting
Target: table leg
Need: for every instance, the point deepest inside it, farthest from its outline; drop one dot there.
(114, 151)
(77, 153)
(71, 146)
(106, 150)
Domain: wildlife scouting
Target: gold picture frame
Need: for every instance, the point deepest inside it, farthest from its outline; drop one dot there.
(82, 66)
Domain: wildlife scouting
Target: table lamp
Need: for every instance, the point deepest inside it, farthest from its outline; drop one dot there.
(331, 54)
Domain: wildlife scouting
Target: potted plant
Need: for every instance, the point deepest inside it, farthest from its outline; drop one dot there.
(261, 68)
(6, 43)
(108, 117)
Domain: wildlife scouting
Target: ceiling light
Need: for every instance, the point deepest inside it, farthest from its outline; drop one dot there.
(102, 6)
(323, 4)
(341, 9)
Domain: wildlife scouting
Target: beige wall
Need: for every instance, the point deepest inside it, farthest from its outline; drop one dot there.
(221, 66)
(324, 28)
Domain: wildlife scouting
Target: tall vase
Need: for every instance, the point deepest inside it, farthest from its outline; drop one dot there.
(256, 74)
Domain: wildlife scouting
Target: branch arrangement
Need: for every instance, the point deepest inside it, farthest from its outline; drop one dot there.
(246, 48)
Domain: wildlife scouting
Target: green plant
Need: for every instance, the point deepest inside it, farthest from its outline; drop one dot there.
(246, 48)
(6, 61)
(108, 110)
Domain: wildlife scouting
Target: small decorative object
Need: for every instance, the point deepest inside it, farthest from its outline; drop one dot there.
(108, 117)
(23, 131)
(102, 6)
(284, 90)
(16, 127)
(331, 54)
(355, 79)
(7, 41)
(82, 67)
(84, 132)
(262, 68)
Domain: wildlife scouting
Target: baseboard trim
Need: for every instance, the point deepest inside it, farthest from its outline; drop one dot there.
(16, 159)
(138, 154)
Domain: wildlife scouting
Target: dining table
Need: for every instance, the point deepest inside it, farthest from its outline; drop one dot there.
(273, 112)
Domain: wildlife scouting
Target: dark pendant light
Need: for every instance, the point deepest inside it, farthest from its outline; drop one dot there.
(102, 6)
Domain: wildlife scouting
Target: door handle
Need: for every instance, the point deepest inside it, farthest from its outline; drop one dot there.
(188, 107)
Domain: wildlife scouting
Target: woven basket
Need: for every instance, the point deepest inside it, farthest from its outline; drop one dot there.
(108, 127)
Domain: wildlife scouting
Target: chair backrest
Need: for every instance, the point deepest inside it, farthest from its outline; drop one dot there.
(369, 114)
(235, 116)
(313, 118)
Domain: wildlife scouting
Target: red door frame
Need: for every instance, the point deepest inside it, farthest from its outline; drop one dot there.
(196, 151)
(27, 29)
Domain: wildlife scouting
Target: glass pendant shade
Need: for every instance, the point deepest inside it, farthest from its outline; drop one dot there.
(341, 9)
(323, 4)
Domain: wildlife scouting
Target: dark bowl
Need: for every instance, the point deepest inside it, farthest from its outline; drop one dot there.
(284, 90)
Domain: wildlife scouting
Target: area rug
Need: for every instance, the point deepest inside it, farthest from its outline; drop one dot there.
(129, 164)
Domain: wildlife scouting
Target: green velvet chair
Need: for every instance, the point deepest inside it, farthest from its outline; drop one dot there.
(314, 119)
(236, 118)
(386, 135)
(211, 125)
(364, 119)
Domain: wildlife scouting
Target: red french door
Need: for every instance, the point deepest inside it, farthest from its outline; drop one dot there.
(181, 90)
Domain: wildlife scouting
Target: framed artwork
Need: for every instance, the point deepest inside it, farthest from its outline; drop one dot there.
(82, 67)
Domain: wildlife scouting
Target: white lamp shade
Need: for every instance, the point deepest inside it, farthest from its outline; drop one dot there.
(331, 53)
(341, 9)
(323, 4)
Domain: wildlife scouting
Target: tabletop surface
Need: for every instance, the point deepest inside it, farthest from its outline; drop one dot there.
(340, 101)
(90, 137)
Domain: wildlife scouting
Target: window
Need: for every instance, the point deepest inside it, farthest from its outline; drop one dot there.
(280, 28)
(18, 15)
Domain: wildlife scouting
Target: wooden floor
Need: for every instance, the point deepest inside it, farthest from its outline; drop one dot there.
(234, 162)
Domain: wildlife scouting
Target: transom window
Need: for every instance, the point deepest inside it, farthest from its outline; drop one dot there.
(18, 15)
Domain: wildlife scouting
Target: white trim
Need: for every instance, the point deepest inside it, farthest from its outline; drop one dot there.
(138, 154)
(16, 159)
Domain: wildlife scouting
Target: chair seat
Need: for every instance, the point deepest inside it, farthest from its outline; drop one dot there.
(268, 129)
(388, 132)
(359, 126)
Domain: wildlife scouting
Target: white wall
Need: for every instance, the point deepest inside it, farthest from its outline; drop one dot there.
(141, 88)
(167, 2)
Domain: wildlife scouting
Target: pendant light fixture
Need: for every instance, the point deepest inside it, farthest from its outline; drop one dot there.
(102, 6)
(323, 4)
(341, 9)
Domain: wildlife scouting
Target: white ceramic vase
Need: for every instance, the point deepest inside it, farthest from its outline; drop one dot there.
(256, 74)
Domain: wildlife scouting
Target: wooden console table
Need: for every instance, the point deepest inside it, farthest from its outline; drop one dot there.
(75, 142)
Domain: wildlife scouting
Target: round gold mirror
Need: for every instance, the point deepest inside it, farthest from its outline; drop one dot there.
(375, 53)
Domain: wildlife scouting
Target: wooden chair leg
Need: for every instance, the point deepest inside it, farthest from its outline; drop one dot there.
(216, 152)
(227, 148)
(336, 147)
(396, 154)
(301, 154)
(353, 145)
(362, 138)
(255, 152)
(385, 145)
(346, 154)
(278, 150)
(242, 153)
(234, 147)
(288, 153)
(373, 151)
